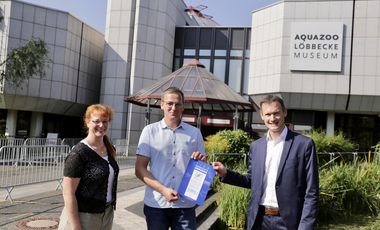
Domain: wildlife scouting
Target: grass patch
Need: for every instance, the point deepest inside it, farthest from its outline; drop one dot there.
(355, 222)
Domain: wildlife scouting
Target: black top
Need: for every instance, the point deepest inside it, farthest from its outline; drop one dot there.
(84, 163)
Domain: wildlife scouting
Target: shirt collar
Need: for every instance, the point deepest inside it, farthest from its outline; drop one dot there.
(280, 138)
(165, 126)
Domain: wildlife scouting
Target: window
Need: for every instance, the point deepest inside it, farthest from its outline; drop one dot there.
(3, 121)
(189, 52)
(223, 51)
(23, 122)
(234, 76)
(205, 62)
(220, 69)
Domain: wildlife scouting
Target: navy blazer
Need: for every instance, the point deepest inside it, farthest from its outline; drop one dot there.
(297, 184)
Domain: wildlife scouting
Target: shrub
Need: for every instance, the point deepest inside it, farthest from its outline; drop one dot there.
(228, 141)
(331, 144)
(233, 204)
(335, 143)
(348, 189)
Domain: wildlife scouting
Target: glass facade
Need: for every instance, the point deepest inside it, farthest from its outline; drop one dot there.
(361, 129)
(3, 121)
(223, 51)
(23, 124)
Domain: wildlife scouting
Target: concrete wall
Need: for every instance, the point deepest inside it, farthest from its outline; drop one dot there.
(72, 78)
(139, 50)
(354, 89)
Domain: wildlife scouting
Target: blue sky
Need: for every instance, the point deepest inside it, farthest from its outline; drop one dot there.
(225, 12)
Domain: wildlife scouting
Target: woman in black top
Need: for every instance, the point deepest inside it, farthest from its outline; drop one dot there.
(90, 176)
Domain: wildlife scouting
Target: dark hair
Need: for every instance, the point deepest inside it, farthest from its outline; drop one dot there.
(273, 98)
(173, 90)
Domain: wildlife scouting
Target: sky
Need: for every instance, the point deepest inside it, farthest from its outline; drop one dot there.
(231, 12)
(225, 12)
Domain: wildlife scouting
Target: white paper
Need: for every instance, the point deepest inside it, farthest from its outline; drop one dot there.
(195, 183)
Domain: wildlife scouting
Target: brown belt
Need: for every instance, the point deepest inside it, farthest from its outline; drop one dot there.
(270, 211)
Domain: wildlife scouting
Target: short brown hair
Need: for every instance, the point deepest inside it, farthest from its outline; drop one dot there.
(173, 90)
(273, 98)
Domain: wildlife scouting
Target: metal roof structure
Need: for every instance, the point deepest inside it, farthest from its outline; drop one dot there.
(202, 90)
(202, 19)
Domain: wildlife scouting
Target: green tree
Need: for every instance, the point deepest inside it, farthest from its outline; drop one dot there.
(24, 62)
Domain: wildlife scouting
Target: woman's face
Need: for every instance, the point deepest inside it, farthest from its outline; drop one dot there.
(97, 125)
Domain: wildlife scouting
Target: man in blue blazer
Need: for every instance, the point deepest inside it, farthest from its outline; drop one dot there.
(283, 175)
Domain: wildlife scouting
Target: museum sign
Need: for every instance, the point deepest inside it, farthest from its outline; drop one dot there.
(316, 46)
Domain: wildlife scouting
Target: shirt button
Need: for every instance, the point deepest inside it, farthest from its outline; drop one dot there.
(173, 177)
(173, 165)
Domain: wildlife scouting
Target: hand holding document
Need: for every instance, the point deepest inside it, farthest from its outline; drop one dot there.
(196, 181)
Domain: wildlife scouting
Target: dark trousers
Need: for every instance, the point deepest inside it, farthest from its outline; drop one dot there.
(265, 222)
(175, 218)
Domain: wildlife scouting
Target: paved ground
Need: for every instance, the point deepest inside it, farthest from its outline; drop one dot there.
(41, 201)
(35, 205)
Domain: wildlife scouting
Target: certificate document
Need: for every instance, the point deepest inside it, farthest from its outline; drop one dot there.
(196, 181)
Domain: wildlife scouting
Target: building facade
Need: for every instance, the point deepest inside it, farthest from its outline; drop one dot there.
(56, 102)
(147, 40)
(323, 58)
(139, 49)
(320, 56)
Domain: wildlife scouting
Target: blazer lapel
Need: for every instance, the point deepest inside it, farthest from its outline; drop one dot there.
(261, 162)
(285, 152)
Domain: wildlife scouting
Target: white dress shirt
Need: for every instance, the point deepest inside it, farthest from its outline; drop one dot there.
(272, 162)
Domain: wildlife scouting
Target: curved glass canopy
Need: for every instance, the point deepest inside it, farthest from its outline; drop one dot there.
(201, 88)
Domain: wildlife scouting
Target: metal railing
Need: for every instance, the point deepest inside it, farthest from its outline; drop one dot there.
(242, 155)
(323, 157)
(22, 163)
(334, 157)
(42, 141)
(11, 141)
(71, 141)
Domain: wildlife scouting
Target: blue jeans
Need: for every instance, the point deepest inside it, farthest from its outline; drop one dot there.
(175, 218)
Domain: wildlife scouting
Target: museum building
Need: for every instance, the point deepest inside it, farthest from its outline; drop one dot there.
(320, 56)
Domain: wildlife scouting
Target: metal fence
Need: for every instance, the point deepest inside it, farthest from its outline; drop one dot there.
(22, 163)
(71, 141)
(42, 141)
(323, 157)
(352, 157)
(11, 141)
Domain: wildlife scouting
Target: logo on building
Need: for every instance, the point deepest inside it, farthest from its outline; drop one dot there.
(316, 46)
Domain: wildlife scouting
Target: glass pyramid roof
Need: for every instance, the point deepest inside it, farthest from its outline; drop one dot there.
(200, 87)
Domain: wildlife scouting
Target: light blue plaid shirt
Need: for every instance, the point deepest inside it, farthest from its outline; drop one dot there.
(169, 152)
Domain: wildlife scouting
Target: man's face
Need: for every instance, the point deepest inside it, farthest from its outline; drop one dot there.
(172, 106)
(273, 117)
